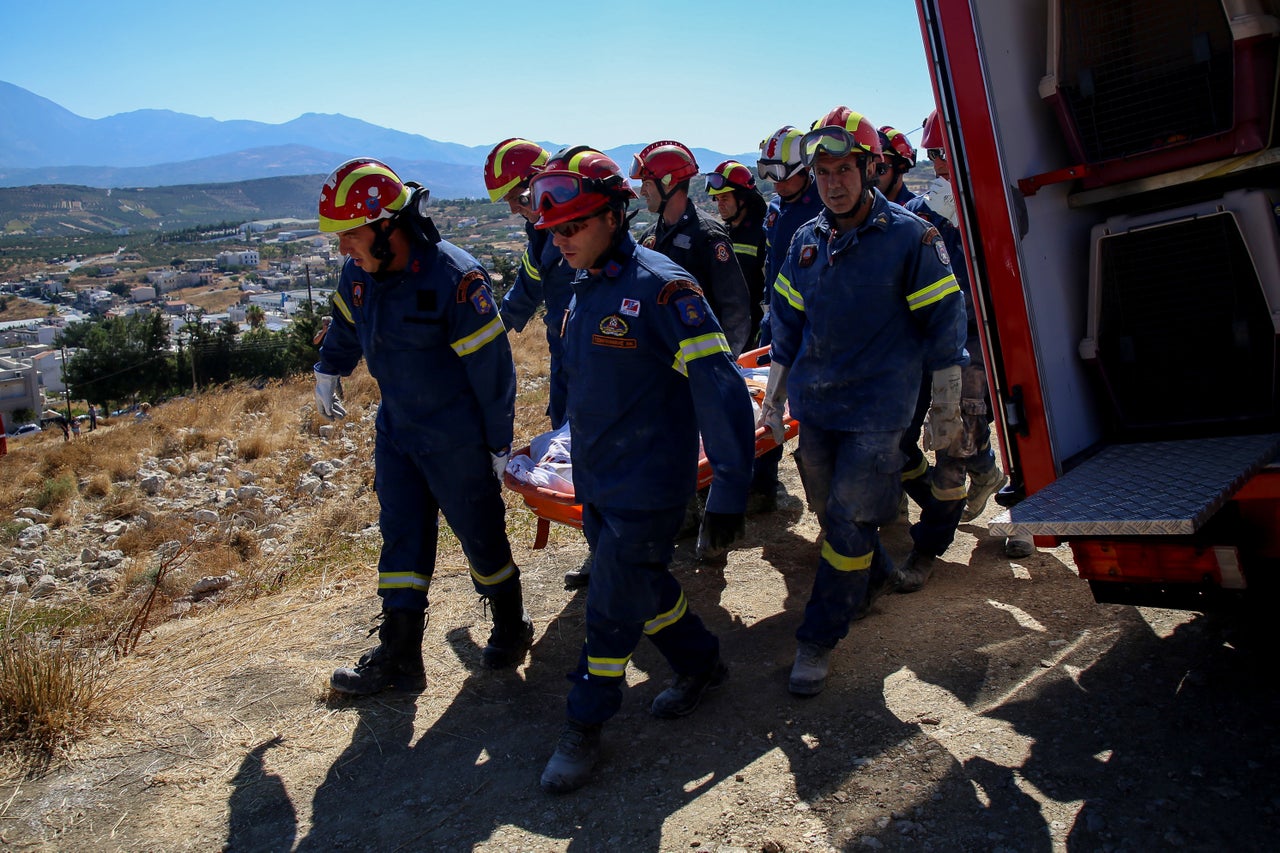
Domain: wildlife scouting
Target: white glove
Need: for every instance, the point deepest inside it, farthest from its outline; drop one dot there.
(499, 462)
(328, 395)
(945, 425)
(775, 401)
(942, 198)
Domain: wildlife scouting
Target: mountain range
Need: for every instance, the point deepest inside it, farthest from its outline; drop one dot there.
(44, 143)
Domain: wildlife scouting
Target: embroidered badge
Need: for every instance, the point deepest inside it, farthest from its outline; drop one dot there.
(630, 307)
(941, 248)
(614, 326)
(357, 295)
(931, 234)
(882, 220)
(677, 285)
(648, 242)
(482, 301)
(722, 252)
(693, 311)
(770, 219)
(808, 254)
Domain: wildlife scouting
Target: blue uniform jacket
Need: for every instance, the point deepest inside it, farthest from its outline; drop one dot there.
(780, 224)
(858, 316)
(432, 337)
(649, 367)
(919, 205)
(702, 246)
(543, 277)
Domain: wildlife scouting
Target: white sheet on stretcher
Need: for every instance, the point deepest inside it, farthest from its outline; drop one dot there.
(549, 463)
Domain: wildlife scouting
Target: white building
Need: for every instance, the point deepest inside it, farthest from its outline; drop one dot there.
(238, 260)
(19, 388)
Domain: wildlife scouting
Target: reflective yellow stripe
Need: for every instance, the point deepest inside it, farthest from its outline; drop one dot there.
(917, 471)
(496, 578)
(662, 620)
(692, 349)
(529, 269)
(342, 307)
(959, 493)
(932, 293)
(746, 249)
(841, 563)
(474, 342)
(403, 580)
(607, 667)
(789, 293)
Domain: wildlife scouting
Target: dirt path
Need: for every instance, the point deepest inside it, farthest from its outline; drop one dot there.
(998, 709)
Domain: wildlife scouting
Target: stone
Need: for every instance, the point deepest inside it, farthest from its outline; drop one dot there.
(205, 516)
(152, 484)
(32, 514)
(44, 587)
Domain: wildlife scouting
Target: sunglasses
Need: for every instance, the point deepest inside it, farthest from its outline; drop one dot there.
(835, 141)
(574, 226)
(935, 154)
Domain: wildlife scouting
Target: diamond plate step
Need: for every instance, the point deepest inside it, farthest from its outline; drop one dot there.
(1149, 489)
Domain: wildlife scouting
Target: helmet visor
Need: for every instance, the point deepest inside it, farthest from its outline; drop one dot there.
(776, 170)
(835, 141)
(717, 181)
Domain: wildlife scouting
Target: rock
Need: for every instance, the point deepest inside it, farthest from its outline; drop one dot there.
(152, 484)
(246, 476)
(322, 469)
(67, 570)
(208, 586)
(32, 514)
(44, 587)
(102, 582)
(110, 559)
(114, 527)
(14, 583)
(88, 555)
(32, 537)
(205, 516)
(326, 431)
(249, 493)
(309, 485)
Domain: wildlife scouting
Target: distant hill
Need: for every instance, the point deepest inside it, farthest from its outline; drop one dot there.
(44, 143)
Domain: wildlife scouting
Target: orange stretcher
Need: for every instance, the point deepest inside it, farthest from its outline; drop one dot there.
(549, 505)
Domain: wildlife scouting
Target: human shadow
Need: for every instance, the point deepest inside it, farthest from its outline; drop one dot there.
(262, 816)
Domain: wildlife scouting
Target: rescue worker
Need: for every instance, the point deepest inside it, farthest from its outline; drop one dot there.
(795, 202)
(940, 490)
(543, 278)
(742, 209)
(650, 369)
(696, 243)
(420, 312)
(899, 158)
(865, 301)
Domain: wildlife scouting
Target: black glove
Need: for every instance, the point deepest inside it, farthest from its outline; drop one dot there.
(719, 530)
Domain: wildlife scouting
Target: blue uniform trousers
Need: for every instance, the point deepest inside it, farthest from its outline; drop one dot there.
(853, 480)
(413, 488)
(633, 594)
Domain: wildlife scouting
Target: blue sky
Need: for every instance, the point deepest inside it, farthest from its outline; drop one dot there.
(720, 75)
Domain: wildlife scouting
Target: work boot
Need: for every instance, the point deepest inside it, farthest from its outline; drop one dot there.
(581, 576)
(512, 633)
(685, 692)
(762, 501)
(1019, 547)
(576, 754)
(981, 488)
(809, 672)
(914, 571)
(396, 662)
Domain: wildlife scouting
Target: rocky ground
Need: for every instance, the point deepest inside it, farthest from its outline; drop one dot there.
(998, 709)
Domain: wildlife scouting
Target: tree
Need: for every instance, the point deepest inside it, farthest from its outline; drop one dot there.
(121, 357)
(256, 316)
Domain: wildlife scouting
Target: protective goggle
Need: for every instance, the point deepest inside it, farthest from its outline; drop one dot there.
(550, 190)
(776, 170)
(717, 181)
(935, 154)
(835, 141)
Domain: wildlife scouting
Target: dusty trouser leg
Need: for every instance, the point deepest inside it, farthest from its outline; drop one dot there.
(985, 476)
(915, 468)
(860, 473)
(763, 496)
(471, 500)
(939, 517)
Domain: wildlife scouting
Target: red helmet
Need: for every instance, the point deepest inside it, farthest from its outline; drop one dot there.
(510, 162)
(358, 192)
(729, 176)
(932, 136)
(840, 132)
(576, 182)
(895, 144)
(667, 163)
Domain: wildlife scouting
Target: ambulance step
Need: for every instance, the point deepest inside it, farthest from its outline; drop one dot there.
(1148, 489)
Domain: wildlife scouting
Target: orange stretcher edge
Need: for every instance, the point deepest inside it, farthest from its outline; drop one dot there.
(549, 505)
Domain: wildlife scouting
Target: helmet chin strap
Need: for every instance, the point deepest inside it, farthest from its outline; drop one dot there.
(795, 196)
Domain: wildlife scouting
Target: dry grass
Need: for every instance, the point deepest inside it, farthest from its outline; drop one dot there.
(51, 679)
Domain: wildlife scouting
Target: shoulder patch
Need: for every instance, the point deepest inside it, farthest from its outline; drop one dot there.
(722, 252)
(677, 285)
(808, 254)
(941, 248)
(693, 310)
(474, 288)
(648, 241)
(930, 234)
(770, 219)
